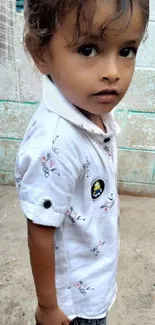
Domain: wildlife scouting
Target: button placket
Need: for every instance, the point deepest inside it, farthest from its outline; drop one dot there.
(107, 140)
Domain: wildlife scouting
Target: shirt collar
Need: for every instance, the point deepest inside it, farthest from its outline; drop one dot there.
(58, 104)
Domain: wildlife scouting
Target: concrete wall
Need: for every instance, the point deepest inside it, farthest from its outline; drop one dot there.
(136, 114)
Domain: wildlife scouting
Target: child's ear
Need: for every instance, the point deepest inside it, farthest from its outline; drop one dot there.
(37, 52)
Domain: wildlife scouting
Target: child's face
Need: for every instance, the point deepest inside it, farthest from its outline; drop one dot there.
(95, 74)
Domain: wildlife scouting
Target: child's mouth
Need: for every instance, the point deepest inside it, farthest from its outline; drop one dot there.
(106, 96)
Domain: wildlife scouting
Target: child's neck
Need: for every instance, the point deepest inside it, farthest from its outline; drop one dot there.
(95, 118)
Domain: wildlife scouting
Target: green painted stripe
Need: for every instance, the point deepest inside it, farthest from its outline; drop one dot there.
(141, 112)
(119, 110)
(6, 172)
(18, 102)
(135, 183)
(135, 149)
(10, 139)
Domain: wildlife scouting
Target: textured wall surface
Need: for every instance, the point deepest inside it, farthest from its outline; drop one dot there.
(20, 90)
(136, 114)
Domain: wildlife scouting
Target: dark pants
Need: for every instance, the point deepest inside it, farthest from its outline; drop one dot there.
(82, 321)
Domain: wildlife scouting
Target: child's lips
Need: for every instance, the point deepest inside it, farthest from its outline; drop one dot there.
(106, 96)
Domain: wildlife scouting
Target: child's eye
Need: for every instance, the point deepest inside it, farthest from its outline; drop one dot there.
(88, 50)
(128, 52)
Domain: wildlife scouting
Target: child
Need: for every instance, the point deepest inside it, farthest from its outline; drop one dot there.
(67, 164)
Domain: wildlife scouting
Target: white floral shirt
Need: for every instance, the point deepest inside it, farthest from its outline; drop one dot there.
(66, 178)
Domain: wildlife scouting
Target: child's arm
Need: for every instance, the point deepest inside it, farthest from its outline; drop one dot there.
(43, 176)
(42, 256)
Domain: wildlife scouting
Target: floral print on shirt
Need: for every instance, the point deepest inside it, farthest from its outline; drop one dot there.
(73, 216)
(48, 165)
(107, 150)
(18, 181)
(107, 206)
(54, 147)
(86, 166)
(97, 250)
(83, 288)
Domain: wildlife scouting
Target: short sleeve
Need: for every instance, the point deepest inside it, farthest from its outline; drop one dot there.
(46, 183)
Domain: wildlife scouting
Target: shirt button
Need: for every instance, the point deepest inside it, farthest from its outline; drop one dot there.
(107, 140)
(47, 204)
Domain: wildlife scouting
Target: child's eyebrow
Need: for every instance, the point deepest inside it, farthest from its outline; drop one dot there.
(132, 42)
(91, 36)
(97, 37)
(83, 37)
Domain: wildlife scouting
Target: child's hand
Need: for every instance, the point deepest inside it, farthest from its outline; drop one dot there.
(50, 316)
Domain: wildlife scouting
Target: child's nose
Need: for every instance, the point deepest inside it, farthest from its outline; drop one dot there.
(110, 70)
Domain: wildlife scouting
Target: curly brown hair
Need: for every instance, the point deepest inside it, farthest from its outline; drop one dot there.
(43, 16)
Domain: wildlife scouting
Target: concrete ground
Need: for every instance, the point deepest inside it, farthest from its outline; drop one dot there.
(136, 278)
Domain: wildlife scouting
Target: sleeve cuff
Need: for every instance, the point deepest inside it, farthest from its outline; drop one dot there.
(42, 216)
